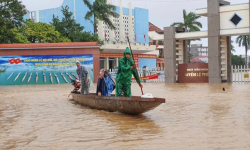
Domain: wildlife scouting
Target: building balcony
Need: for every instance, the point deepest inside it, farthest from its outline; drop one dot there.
(120, 46)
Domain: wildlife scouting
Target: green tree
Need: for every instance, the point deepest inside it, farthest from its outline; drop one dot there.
(72, 30)
(190, 56)
(68, 26)
(11, 12)
(190, 23)
(244, 40)
(100, 10)
(41, 33)
(237, 60)
(18, 36)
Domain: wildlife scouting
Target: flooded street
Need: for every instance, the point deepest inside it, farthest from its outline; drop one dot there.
(194, 117)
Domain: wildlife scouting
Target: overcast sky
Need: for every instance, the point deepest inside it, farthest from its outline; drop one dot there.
(162, 13)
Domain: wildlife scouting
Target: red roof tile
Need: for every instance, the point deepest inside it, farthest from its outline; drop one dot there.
(152, 27)
(34, 45)
(197, 59)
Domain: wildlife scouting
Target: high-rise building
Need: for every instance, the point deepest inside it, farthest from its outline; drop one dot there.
(132, 23)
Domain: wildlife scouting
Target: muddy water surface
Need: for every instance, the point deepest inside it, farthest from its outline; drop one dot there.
(194, 117)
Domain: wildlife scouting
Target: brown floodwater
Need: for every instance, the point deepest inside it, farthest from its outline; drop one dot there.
(194, 117)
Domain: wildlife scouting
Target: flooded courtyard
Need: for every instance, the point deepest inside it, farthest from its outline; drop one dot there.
(194, 117)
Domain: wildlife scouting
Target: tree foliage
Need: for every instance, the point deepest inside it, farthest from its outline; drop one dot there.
(18, 37)
(41, 33)
(190, 22)
(72, 30)
(244, 40)
(101, 10)
(11, 12)
(68, 26)
(237, 60)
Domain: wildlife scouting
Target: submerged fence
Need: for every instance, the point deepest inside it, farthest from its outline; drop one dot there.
(240, 73)
(146, 73)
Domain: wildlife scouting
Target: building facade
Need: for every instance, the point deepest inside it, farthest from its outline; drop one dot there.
(158, 43)
(198, 50)
(132, 23)
(77, 7)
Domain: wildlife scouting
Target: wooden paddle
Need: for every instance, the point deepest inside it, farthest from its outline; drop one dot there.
(134, 61)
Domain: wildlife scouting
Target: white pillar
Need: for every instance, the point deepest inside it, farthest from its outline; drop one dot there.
(116, 62)
(121, 31)
(101, 30)
(111, 32)
(75, 10)
(106, 63)
(37, 16)
(130, 25)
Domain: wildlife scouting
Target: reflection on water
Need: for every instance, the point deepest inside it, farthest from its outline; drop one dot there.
(195, 116)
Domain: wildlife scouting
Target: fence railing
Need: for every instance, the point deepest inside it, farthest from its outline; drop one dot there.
(147, 72)
(240, 73)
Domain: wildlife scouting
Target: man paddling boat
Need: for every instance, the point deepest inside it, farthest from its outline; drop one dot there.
(126, 68)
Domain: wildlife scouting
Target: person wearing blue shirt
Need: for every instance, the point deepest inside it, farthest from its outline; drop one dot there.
(105, 84)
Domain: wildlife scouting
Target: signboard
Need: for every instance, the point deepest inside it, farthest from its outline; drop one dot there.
(246, 75)
(42, 69)
(117, 55)
(136, 56)
(193, 73)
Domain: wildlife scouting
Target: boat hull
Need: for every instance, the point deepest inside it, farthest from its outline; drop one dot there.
(128, 105)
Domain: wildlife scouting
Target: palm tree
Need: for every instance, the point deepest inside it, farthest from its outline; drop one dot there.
(244, 40)
(100, 10)
(232, 46)
(190, 23)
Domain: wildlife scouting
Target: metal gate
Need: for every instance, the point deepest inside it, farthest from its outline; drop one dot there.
(240, 74)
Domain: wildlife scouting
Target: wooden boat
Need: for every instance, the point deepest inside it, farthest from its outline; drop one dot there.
(128, 105)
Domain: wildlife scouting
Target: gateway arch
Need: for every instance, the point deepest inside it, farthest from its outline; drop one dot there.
(224, 21)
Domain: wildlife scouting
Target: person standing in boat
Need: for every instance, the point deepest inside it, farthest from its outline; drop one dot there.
(105, 84)
(126, 68)
(84, 77)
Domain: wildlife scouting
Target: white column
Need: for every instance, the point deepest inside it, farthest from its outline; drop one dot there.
(116, 62)
(101, 30)
(37, 16)
(111, 32)
(75, 9)
(130, 25)
(121, 31)
(106, 63)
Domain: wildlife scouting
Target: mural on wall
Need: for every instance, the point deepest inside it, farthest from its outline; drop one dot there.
(42, 69)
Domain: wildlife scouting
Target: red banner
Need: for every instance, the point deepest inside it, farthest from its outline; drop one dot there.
(154, 76)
